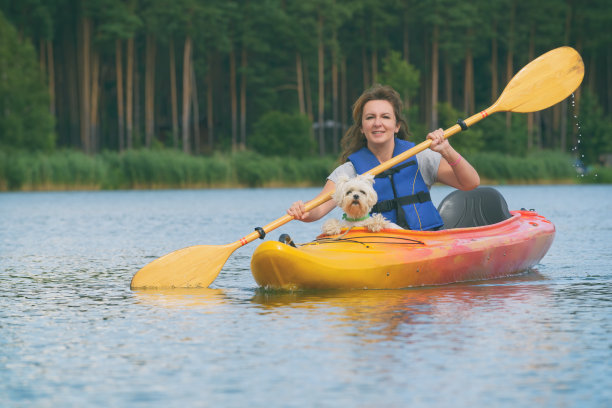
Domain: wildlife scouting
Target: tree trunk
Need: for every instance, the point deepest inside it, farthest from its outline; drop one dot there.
(406, 44)
(448, 81)
(150, 91)
(509, 58)
(309, 109)
(434, 79)
(300, 82)
(468, 102)
(494, 81)
(335, 137)
(321, 77)
(426, 85)
(530, 115)
(129, 93)
(196, 112)
(70, 61)
(95, 99)
(137, 98)
(234, 99)
(366, 72)
(576, 101)
(173, 95)
(243, 98)
(556, 120)
(539, 118)
(51, 73)
(119, 75)
(406, 40)
(42, 56)
(186, 93)
(592, 73)
(563, 125)
(343, 96)
(85, 40)
(374, 58)
(210, 107)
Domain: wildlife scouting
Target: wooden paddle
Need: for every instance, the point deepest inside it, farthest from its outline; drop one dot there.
(542, 83)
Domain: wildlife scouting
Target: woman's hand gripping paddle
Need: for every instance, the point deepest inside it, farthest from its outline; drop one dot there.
(542, 83)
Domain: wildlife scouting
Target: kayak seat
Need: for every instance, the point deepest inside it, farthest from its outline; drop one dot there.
(474, 208)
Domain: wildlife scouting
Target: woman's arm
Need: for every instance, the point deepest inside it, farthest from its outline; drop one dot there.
(298, 209)
(454, 170)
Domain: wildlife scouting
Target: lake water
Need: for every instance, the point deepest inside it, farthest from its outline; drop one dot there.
(73, 334)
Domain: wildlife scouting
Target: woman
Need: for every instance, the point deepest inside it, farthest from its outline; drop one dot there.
(379, 133)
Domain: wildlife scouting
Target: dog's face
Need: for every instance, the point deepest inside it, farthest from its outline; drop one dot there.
(356, 196)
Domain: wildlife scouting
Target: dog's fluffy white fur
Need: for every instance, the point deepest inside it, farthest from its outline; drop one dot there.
(356, 196)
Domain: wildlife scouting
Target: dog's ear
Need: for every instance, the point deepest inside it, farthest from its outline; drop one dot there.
(339, 193)
(371, 197)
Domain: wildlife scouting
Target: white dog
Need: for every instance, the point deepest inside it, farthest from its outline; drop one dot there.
(356, 196)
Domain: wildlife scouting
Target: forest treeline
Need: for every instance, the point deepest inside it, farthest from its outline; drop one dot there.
(279, 76)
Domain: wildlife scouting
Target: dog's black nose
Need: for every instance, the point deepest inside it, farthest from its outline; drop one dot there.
(355, 196)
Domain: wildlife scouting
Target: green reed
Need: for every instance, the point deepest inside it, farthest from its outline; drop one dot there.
(543, 166)
(155, 169)
(145, 169)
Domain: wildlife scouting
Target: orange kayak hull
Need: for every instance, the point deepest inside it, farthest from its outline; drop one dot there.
(394, 259)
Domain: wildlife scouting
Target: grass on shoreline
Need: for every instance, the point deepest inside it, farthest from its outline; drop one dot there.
(151, 169)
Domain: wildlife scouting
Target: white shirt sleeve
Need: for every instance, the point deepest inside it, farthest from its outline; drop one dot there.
(346, 169)
(429, 162)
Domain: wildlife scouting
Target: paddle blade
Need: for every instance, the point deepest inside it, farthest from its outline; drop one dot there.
(193, 267)
(543, 82)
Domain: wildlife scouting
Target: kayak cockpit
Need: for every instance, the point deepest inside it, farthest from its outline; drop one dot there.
(474, 208)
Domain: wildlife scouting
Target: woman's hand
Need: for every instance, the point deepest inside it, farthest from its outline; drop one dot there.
(454, 170)
(438, 143)
(298, 211)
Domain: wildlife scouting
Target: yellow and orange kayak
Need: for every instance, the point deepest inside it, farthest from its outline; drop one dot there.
(393, 259)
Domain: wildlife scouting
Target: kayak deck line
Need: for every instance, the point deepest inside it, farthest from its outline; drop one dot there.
(364, 240)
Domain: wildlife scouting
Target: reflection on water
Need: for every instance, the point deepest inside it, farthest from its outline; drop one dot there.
(187, 298)
(383, 315)
(72, 333)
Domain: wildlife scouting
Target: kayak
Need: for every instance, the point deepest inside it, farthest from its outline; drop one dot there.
(394, 258)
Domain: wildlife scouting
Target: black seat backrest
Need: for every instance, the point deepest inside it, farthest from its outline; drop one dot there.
(474, 208)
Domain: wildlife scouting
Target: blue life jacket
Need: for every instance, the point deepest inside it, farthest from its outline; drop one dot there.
(403, 196)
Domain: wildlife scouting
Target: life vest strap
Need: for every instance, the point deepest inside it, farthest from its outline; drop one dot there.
(394, 203)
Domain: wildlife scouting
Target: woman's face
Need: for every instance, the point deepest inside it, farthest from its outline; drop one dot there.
(378, 123)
